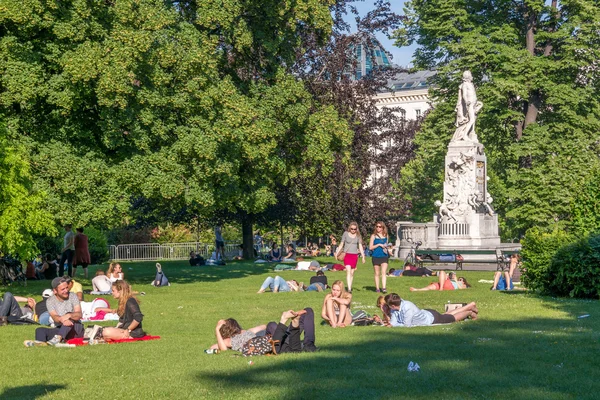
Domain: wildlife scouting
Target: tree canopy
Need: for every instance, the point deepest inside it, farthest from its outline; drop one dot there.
(185, 105)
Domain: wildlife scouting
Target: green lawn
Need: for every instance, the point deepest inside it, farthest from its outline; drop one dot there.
(522, 347)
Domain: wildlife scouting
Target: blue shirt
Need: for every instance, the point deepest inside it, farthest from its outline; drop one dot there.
(410, 315)
(379, 252)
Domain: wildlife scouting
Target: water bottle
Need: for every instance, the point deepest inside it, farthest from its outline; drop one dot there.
(211, 351)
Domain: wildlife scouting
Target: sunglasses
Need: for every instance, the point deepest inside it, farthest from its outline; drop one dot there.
(352, 229)
(379, 226)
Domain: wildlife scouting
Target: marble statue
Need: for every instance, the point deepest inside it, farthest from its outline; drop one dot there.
(467, 108)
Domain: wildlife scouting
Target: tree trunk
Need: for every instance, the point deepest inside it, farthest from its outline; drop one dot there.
(247, 237)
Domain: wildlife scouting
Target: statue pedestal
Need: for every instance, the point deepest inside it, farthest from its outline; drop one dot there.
(465, 214)
(479, 231)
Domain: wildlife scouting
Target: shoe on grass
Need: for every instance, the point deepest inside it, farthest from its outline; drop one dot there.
(55, 340)
(310, 348)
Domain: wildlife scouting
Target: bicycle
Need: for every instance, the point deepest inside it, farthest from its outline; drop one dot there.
(11, 271)
(411, 257)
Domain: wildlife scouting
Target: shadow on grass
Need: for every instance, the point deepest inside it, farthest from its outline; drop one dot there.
(534, 358)
(30, 391)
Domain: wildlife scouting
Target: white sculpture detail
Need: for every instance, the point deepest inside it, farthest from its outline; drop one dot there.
(467, 108)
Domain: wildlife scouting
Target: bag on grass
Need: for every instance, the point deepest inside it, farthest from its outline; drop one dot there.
(259, 346)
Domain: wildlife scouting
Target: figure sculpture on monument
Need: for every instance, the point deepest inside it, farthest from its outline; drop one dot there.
(467, 108)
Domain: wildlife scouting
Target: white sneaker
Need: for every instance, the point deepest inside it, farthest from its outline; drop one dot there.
(55, 340)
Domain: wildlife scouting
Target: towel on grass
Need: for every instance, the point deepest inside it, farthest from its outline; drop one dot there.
(81, 342)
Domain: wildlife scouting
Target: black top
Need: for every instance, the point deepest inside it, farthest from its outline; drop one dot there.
(50, 272)
(132, 312)
(40, 307)
(319, 279)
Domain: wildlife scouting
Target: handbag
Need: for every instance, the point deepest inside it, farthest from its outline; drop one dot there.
(341, 256)
(259, 346)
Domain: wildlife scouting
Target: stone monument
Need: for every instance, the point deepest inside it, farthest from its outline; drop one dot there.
(466, 218)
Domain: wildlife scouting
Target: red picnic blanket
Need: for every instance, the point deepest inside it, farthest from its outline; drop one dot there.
(81, 342)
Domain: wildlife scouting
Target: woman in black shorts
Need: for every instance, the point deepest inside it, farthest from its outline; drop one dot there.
(379, 246)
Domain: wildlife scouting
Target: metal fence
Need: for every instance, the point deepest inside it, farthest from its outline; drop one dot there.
(166, 251)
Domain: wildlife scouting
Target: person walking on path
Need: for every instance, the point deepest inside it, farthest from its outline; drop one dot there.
(82, 253)
(67, 252)
(351, 245)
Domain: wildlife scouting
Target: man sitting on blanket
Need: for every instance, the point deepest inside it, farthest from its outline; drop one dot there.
(65, 311)
(405, 314)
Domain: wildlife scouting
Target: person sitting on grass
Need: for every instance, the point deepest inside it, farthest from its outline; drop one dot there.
(101, 284)
(41, 308)
(275, 253)
(278, 284)
(291, 254)
(445, 282)
(128, 310)
(336, 306)
(49, 268)
(504, 281)
(75, 287)
(65, 310)
(115, 272)
(240, 255)
(404, 313)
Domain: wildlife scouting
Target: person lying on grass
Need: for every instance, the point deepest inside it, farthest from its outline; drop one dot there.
(278, 284)
(385, 311)
(405, 314)
(445, 282)
(336, 306)
(410, 270)
(230, 334)
(503, 280)
(130, 321)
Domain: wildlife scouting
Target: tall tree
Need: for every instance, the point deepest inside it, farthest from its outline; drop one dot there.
(128, 100)
(535, 65)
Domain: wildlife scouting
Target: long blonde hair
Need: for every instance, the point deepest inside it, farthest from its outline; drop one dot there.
(125, 290)
(343, 293)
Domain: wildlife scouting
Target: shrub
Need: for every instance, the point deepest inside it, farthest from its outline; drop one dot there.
(539, 247)
(575, 269)
(98, 245)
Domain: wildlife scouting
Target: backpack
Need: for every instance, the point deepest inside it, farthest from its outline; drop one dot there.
(259, 346)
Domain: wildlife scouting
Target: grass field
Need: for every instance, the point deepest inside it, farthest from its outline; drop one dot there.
(522, 347)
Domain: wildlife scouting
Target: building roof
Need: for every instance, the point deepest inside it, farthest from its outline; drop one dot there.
(410, 81)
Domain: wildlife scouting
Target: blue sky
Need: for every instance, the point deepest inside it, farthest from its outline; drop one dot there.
(401, 56)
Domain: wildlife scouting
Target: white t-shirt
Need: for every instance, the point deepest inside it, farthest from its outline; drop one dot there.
(101, 283)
